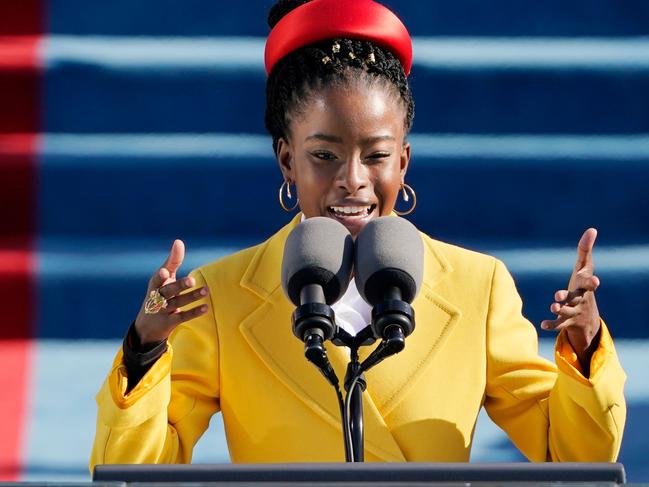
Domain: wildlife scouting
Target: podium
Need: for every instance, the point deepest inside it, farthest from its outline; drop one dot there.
(368, 474)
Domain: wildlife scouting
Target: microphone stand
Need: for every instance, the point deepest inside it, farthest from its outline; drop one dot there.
(353, 424)
(356, 406)
(390, 318)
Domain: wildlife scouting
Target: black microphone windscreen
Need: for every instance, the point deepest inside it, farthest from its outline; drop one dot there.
(389, 252)
(320, 251)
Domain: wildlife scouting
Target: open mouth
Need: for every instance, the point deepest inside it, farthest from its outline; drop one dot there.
(345, 212)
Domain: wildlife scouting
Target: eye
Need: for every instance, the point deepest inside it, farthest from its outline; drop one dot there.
(324, 155)
(378, 156)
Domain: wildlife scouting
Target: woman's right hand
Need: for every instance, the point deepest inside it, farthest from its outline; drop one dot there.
(153, 328)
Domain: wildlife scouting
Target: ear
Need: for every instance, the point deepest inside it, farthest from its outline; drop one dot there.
(285, 159)
(405, 159)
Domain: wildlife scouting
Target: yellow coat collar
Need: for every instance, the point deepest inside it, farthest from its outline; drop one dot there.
(263, 274)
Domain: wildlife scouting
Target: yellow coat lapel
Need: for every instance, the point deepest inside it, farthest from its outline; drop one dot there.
(390, 381)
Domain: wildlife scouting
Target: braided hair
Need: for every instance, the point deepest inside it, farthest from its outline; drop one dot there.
(334, 62)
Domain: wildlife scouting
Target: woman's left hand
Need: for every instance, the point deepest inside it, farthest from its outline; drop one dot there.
(576, 307)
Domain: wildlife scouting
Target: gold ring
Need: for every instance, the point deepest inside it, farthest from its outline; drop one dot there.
(154, 303)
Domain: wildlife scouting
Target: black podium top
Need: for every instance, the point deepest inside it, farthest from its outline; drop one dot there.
(375, 474)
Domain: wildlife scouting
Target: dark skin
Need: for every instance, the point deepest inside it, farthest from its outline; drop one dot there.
(346, 150)
(576, 307)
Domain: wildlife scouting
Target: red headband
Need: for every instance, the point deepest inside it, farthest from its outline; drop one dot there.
(319, 20)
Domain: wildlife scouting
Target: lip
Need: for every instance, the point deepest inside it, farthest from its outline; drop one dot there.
(353, 223)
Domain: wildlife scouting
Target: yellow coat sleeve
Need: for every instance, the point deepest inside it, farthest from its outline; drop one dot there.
(155, 422)
(551, 413)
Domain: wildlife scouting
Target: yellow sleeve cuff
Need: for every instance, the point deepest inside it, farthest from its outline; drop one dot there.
(568, 361)
(149, 397)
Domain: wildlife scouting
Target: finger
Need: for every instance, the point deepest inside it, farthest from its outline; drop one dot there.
(568, 312)
(564, 324)
(176, 257)
(558, 324)
(175, 288)
(159, 278)
(585, 250)
(551, 324)
(570, 298)
(596, 282)
(561, 295)
(574, 299)
(584, 281)
(183, 316)
(187, 298)
(561, 308)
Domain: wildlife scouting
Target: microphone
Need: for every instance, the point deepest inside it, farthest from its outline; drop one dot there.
(316, 270)
(388, 266)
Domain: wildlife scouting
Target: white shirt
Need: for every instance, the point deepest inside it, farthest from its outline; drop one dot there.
(352, 312)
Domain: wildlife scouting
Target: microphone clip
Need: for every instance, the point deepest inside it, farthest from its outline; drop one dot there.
(392, 321)
(313, 323)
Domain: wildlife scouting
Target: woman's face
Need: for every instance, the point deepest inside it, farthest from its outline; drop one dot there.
(346, 154)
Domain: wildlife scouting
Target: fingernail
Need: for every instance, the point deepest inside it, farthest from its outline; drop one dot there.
(189, 281)
(203, 292)
(203, 308)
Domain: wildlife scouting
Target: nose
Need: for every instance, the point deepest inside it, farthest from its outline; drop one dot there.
(353, 176)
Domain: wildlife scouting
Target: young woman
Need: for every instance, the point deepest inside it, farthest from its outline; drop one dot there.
(339, 109)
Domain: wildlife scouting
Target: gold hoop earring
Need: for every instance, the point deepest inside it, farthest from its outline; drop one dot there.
(287, 184)
(405, 188)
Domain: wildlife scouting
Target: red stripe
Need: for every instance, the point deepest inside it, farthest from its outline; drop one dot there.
(19, 52)
(17, 147)
(21, 23)
(17, 302)
(15, 360)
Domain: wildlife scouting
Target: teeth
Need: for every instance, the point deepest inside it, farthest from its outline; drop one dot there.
(350, 210)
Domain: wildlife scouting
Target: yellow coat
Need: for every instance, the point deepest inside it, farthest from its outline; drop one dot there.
(471, 348)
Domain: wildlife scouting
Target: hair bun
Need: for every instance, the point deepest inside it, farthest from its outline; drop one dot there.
(281, 8)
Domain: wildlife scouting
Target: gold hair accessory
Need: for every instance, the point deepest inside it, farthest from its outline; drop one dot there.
(352, 55)
(154, 303)
(371, 58)
(405, 188)
(326, 60)
(335, 48)
(287, 184)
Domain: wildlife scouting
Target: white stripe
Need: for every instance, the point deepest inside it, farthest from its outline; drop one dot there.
(106, 264)
(160, 53)
(235, 53)
(114, 259)
(629, 259)
(162, 146)
(525, 53)
(627, 147)
(65, 148)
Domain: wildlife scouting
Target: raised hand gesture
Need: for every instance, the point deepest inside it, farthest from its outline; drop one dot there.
(575, 307)
(160, 313)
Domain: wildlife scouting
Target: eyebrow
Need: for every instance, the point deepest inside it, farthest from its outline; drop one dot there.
(325, 137)
(338, 140)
